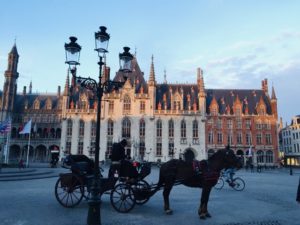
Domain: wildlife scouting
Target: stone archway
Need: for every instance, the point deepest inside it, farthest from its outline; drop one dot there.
(14, 153)
(40, 153)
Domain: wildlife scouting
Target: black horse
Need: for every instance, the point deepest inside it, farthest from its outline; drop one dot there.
(203, 174)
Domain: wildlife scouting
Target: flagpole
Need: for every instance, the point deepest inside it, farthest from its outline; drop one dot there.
(6, 149)
(28, 149)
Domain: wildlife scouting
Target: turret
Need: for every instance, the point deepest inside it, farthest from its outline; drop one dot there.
(274, 103)
(202, 94)
(152, 88)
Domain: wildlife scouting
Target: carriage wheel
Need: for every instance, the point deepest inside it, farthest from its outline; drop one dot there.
(141, 185)
(239, 184)
(122, 198)
(220, 184)
(69, 190)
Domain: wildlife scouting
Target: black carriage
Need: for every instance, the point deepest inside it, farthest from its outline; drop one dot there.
(74, 186)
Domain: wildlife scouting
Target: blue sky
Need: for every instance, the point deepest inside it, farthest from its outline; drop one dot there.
(236, 43)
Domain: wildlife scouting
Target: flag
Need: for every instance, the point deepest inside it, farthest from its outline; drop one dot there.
(5, 126)
(35, 128)
(26, 129)
(250, 151)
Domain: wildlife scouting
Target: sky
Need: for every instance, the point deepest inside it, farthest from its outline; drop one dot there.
(237, 43)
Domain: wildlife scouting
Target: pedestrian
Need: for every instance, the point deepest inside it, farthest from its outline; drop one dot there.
(298, 192)
(21, 164)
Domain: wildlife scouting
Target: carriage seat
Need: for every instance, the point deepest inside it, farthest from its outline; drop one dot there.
(80, 164)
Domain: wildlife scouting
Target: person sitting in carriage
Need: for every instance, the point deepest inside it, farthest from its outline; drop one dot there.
(120, 162)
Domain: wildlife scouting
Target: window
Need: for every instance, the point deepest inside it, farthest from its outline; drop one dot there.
(127, 104)
(158, 148)
(238, 111)
(80, 148)
(69, 127)
(158, 128)
(108, 147)
(142, 107)
(220, 138)
(229, 138)
(111, 107)
(183, 129)
(210, 137)
(229, 124)
(195, 129)
(268, 139)
(239, 123)
(248, 139)
(219, 124)
(142, 128)
(269, 157)
(214, 111)
(142, 149)
(260, 156)
(171, 149)
(110, 128)
(93, 129)
(239, 138)
(126, 127)
(258, 139)
(68, 147)
(81, 128)
(248, 124)
(258, 125)
(171, 128)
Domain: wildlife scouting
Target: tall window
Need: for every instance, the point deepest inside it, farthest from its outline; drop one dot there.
(171, 128)
(183, 129)
(195, 129)
(142, 128)
(80, 147)
(229, 138)
(248, 124)
(258, 139)
(142, 149)
(111, 107)
(239, 138)
(219, 124)
(68, 147)
(126, 127)
(126, 104)
(110, 128)
(258, 125)
(268, 139)
(109, 147)
(158, 149)
(81, 128)
(269, 156)
(260, 156)
(93, 129)
(171, 149)
(210, 137)
(229, 124)
(69, 127)
(248, 139)
(142, 106)
(220, 138)
(158, 128)
(239, 123)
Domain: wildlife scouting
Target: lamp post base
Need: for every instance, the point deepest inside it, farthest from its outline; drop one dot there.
(94, 216)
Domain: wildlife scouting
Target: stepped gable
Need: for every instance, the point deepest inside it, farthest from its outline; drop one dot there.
(248, 98)
(187, 91)
(136, 77)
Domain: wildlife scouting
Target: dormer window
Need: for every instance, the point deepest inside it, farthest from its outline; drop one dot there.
(36, 104)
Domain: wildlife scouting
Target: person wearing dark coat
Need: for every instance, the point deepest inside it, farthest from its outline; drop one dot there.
(298, 193)
(120, 162)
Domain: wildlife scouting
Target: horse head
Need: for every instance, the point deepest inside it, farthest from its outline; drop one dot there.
(230, 160)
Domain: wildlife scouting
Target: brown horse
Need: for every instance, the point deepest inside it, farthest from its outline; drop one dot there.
(203, 174)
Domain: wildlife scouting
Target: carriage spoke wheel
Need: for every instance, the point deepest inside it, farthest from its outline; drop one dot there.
(122, 198)
(238, 184)
(220, 184)
(69, 190)
(141, 185)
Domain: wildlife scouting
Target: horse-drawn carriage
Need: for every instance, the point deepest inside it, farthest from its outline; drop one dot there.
(74, 186)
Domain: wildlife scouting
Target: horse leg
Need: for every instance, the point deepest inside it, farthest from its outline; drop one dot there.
(202, 211)
(167, 189)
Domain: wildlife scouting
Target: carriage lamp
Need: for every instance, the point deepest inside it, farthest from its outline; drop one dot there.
(72, 50)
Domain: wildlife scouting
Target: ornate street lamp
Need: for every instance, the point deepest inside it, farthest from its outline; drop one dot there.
(72, 59)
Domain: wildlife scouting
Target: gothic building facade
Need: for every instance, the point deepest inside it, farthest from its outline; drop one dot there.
(160, 121)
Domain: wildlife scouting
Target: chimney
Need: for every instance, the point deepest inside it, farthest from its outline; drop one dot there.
(58, 91)
(24, 90)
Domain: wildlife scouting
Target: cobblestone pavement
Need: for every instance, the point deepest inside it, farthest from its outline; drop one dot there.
(268, 199)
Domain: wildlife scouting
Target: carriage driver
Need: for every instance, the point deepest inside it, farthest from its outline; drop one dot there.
(120, 162)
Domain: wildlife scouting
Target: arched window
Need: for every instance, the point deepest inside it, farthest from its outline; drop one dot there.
(171, 128)
(269, 156)
(195, 129)
(69, 127)
(81, 128)
(93, 128)
(142, 128)
(183, 129)
(260, 156)
(158, 128)
(110, 127)
(126, 104)
(126, 127)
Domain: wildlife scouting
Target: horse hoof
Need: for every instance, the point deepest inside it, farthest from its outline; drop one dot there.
(202, 216)
(207, 215)
(169, 211)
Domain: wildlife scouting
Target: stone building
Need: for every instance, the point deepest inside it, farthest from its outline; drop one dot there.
(160, 121)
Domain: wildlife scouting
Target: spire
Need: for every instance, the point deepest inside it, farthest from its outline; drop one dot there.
(30, 88)
(273, 96)
(67, 85)
(165, 76)
(200, 81)
(14, 50)
(152, 73)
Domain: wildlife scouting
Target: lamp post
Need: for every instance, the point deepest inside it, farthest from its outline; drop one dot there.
(72, 50)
